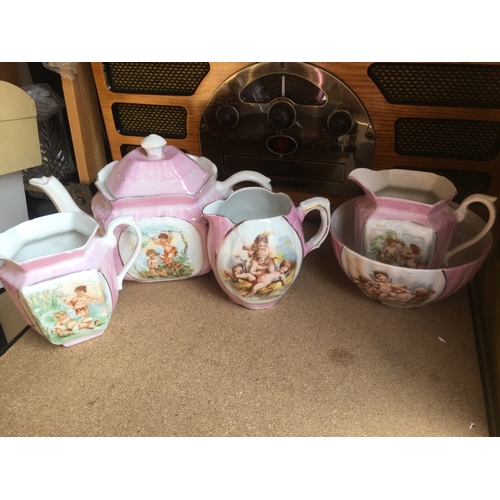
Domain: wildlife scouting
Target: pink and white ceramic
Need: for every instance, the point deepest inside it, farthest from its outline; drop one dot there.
(256, 243)
(62, 276)
(407, 287)
(164, 190)
(406, 219)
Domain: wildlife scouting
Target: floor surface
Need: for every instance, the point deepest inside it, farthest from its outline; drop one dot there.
(180, 359)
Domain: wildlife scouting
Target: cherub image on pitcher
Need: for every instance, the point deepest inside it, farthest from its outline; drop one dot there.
(61, 275)
(262, 269)
(68, 309)
(256, 243)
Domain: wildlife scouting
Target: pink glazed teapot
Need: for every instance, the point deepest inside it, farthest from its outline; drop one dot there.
(406, 218)
(61, 273)
(164, 190)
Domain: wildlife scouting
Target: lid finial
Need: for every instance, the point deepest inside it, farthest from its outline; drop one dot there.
(153, 144)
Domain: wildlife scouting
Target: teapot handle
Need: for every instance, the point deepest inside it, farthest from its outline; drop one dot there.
(125, 220)
(225, 187)
(323, 206)
(460, 214)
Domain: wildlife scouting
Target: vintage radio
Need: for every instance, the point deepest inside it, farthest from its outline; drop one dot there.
(307, 125)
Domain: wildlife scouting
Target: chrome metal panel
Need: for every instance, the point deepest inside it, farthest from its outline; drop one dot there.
(294, 122)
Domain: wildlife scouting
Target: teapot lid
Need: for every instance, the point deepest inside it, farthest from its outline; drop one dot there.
(154, 169)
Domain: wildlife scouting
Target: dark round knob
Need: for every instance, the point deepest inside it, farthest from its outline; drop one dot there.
(227, 116)
(340, 122)
(281, 115)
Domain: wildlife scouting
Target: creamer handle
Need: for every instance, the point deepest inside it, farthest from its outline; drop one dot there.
(125, 220)
(323, 206)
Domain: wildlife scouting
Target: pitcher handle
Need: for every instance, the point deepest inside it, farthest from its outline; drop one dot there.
(125, 220)
(323, 206)
(461, 212)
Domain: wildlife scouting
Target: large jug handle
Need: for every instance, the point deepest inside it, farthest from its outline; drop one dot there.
(461, 212)
(322, 205)
(225, 187)
(125, 220)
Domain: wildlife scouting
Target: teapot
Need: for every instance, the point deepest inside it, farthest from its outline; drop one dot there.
(406, 218)
(61, 273)
(164, 190)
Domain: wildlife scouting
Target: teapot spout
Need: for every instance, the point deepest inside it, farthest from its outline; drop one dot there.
(53, 188)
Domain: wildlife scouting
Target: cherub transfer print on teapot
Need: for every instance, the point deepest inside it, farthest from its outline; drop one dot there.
(165, 190)
(406, 217)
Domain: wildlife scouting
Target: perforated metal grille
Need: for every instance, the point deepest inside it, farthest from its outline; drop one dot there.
(467, 182)
(165, 78)
(145, 119)
(126, 148)
(454, 85)
(454, 139)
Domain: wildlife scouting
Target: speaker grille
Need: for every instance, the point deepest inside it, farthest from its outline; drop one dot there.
(165, 78)
(127, 148)
(454, 139)
(145, 119)
(437, 84)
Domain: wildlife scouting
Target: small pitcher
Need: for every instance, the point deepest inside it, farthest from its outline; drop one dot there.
(256, 243)
(61, 274)
(406, 217)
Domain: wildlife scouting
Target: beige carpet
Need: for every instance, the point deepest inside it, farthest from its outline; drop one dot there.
(180, 359)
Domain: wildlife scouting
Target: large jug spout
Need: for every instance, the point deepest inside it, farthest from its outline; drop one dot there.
(409, 185)
(53, 188)
(370, 181)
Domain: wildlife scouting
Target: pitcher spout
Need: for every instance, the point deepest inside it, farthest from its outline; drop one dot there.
(11, 273)
(53, 188)
(214, 210)
(370, 181)
(217, 220)
(409, 185)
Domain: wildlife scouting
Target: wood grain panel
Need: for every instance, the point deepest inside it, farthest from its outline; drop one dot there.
(193, 104)
(354, 75)
(84, 119)
(384, 115)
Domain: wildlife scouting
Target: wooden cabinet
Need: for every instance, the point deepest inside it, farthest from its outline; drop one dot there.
(84, 116)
